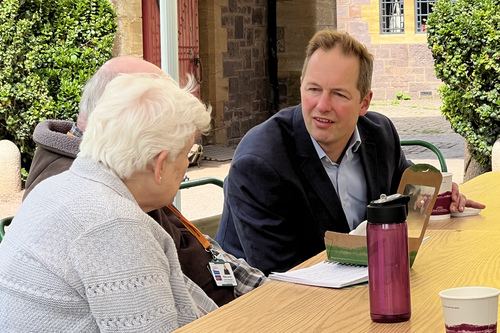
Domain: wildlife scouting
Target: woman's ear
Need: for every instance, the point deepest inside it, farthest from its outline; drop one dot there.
(159, 165)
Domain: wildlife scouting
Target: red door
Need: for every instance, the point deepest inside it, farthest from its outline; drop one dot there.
(151, 32)
(189, 41)
(188, 37)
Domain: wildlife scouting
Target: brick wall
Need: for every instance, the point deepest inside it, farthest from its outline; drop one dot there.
(403, 64)
(405, 68)
(245, 66)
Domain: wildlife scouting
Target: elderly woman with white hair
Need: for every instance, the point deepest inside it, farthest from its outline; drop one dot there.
(81, 254)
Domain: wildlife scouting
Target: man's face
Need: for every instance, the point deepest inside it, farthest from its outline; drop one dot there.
(331, 101)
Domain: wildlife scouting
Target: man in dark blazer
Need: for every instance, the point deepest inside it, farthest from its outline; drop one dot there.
(313, 167)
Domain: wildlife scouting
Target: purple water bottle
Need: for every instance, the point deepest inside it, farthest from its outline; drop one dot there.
(388, 262)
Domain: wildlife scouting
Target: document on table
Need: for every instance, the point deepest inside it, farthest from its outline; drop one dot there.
(325, 274)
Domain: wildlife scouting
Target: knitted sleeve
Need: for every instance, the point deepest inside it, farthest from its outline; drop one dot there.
(132, 281)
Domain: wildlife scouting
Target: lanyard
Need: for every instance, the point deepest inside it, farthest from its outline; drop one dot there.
(196, 233)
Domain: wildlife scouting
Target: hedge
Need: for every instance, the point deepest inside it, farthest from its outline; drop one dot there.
(48, 50)
(465, 41)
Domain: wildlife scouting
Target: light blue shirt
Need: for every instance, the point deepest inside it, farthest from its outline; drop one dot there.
(348, 178)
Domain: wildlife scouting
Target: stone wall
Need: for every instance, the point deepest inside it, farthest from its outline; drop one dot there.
(233, 49)
(403, 68)
(297, 22)
(128, 39)
(244, 64)
(403, 63)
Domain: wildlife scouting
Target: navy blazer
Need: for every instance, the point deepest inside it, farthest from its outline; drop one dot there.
(279, 200)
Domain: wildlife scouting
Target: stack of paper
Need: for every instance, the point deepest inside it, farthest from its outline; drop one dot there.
(325, 274)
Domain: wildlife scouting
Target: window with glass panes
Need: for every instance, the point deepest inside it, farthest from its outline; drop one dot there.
(392, 17)
(422, 10)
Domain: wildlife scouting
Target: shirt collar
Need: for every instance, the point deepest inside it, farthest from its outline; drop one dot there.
(76, 131)
(355, 141)
(319, 150)
(353, 144)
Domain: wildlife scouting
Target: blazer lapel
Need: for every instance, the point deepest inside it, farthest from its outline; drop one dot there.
(315, 173)
(368, 154)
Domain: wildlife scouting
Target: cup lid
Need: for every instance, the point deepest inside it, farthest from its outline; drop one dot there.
(388, 209)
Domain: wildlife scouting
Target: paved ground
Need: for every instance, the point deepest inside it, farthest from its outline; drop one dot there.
(423, 120)
(419, 119)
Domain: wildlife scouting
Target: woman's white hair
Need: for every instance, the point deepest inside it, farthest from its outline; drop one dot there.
(138, 116)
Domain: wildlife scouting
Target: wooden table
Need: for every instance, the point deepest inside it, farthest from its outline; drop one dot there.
(460, 252)
(484, 189)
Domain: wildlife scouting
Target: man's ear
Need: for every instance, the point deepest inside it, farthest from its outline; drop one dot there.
(159, 165)
(365, 103)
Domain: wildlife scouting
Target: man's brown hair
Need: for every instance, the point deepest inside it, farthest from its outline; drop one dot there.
(328, 39)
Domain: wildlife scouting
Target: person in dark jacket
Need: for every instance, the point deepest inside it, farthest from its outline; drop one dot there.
(313, 167)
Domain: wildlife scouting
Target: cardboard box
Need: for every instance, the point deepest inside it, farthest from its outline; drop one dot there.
(421, 182)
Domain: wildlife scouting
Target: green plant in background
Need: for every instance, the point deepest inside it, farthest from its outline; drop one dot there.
(48, 50)
(465, 41)
(406, 97)
(395, 102)
(24, 175)
(399, 95)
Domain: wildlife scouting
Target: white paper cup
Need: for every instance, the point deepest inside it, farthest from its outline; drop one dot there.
(441, 209)
(470, 309)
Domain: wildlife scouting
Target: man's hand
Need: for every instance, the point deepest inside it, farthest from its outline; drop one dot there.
(459, 201)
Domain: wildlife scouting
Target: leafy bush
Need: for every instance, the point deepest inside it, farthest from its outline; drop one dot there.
(465, 41)
(48, 50)
(399, 95)
(406, 97)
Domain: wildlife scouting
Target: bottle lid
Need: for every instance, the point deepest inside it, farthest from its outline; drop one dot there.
(388, 209)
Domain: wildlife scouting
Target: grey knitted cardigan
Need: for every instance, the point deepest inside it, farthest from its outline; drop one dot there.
(80, 256)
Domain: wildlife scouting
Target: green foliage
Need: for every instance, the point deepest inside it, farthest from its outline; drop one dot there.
(48, 50)
(399, 95)
(406, 97)
(395, 102)
(24, 175)
(465, 41)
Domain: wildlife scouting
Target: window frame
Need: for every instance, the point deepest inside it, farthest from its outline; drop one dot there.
(419, 24)
(385, 19)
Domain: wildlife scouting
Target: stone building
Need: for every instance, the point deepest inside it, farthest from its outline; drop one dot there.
(252, 51)
(394, 32)
(233, 49)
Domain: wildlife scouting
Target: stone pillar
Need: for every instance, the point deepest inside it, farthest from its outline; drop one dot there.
(10, 160)
(495, 156)
(213, 44)
(128, 38)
